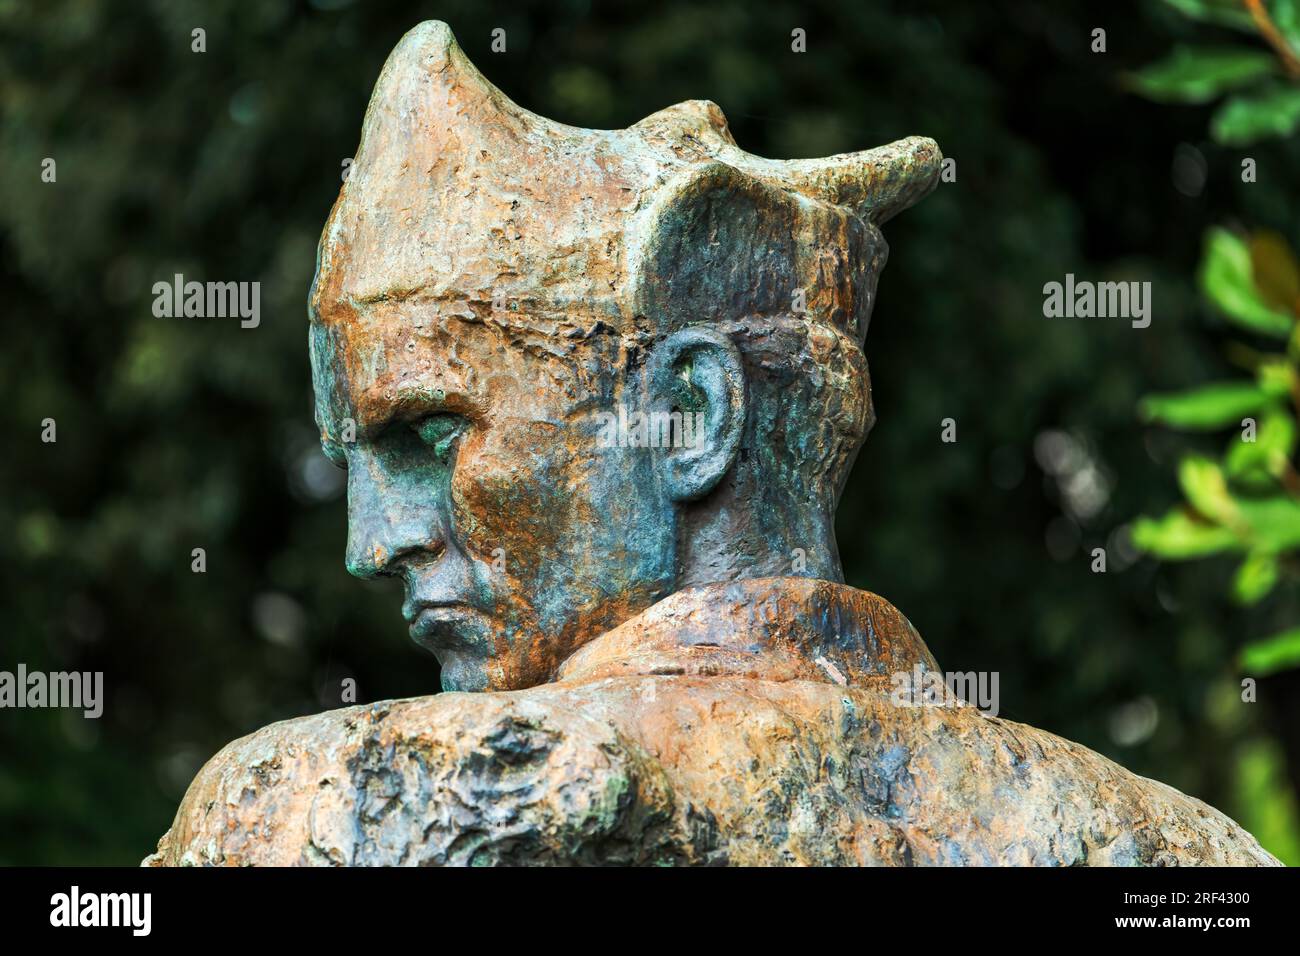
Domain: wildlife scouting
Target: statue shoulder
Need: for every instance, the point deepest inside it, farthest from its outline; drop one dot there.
(884, 783)
(451, 779)
(681, 769)
(813, 773)
(1058, 802)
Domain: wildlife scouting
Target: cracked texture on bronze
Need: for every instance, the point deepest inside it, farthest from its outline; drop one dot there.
(741, 760)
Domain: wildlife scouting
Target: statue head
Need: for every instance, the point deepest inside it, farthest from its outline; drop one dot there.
(572, 371)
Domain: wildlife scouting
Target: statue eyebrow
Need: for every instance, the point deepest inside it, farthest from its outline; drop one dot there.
(409, 403)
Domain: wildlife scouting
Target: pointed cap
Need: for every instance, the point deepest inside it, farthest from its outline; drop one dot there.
(457, 195)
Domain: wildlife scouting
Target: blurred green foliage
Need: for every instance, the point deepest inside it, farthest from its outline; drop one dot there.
(178, 434)
(1261, 97)
(1246, 501)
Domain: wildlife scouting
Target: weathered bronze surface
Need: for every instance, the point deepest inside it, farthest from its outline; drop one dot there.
(514, 322)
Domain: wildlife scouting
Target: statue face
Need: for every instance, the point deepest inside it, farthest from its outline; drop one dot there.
(477, 477)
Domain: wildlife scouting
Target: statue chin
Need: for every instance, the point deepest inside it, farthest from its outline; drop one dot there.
(460, 640)
(459, 672)
(743, 719)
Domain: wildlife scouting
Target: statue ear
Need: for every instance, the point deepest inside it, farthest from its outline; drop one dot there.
(698, 373)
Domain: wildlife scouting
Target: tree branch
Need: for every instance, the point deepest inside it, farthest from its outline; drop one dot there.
(1273, 37)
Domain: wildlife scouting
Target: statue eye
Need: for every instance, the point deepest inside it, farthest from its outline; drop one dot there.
(440, 431)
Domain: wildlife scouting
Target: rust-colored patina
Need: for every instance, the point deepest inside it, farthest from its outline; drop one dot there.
(513, 324)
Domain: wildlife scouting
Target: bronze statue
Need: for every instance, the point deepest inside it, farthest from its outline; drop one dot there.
(597, 393)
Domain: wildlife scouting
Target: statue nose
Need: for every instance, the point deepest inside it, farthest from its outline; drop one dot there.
(385, 526)
(370, 560)
(380, 544)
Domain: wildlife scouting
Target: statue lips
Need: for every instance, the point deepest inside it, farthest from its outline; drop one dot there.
(448, 627)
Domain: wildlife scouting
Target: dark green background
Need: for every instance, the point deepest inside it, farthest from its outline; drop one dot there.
(174, 434)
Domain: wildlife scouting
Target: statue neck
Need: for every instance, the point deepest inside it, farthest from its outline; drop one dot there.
(744, 530)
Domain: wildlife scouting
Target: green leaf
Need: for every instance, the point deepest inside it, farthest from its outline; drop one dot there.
(1211, 406)
(1272, 523)
(1250, 117)
(1270, 452)
(1224, 13)
(1275, 270)
(1180, 536)
(1228, 281)
(1255, 578)
(1276, 376)
(1286, 14)
(1270, 655)
(1200, 74)
(1206, 489)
